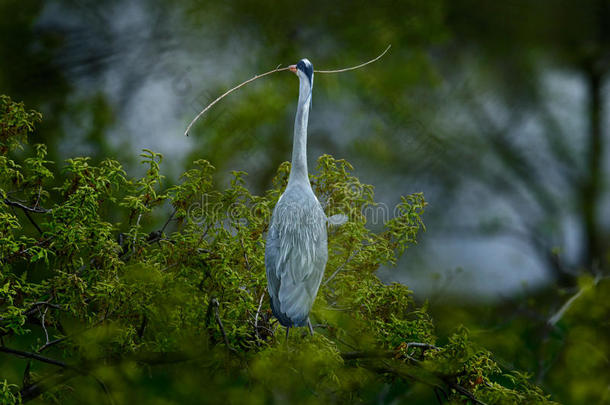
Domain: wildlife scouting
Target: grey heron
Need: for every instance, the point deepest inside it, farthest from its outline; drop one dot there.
(296, 249)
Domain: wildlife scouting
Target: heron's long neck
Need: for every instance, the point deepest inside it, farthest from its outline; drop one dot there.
(298, 171)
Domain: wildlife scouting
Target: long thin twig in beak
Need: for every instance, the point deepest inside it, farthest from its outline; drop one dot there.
(358, 66)
(292, 68)
(226, 93)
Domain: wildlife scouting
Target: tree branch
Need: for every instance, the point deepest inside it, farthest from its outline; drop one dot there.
(552, 321)
(36, 210)
(27, 214)
(215, 305)
(34, 307)
(426, 346)
(33, 356)
(51, 343)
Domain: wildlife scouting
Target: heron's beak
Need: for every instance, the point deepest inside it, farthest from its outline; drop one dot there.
(293, 68)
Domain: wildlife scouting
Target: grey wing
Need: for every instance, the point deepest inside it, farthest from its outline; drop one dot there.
(272, 262)
(295, 261)
(300, 276)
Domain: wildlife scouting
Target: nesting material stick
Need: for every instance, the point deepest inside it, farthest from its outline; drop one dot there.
(358, 66)
(278, 69)
(226, 93)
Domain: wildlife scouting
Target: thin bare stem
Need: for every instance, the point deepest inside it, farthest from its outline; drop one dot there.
(260, 304)
(51, 343)
(552, 321)
(42, 323)
(215, 305)
(425, 346)
(358, 66)
(277, 69)
(350, 257)
(135, 236)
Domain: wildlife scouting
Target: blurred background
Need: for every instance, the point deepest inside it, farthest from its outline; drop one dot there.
(497, 111)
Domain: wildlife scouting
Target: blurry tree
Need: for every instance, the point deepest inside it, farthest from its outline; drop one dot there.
(512, 135)
(59, 68)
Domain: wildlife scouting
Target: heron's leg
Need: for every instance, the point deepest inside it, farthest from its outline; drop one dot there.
(310, 326)
(287, 330)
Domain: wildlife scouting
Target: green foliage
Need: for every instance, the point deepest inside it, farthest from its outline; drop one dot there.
(583, 352)
(15, 123)
(561, 340)
(107, 287)
(8, 393)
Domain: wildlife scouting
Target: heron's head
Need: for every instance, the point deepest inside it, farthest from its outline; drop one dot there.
(303, 69)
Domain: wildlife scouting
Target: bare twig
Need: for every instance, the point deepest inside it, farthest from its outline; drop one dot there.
(215, 305)
(38, 198)
(51, 343)
(135, 236)
(277, 69)
(260, 304)
(245, 255)
(349, 258)
(168, 221)
(565, 307)
(422, 345)
(42, 321)
(226, 93)
(27, 214)
(27, 210)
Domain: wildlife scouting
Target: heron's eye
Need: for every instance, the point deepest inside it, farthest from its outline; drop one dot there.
(301, 66)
